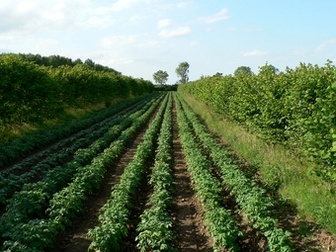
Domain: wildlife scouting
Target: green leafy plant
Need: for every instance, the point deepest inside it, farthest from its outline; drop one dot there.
(252, 200)
(221, 225)
(115, 213)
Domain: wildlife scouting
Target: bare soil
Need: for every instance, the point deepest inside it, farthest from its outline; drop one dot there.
(75, 239)
(190, 232)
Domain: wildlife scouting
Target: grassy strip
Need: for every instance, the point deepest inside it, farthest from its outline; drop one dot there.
(220, 224)
(115, 217)
(314, 198)
(155, 229)
(253, 201)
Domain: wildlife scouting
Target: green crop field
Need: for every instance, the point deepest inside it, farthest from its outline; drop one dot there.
(167, 171)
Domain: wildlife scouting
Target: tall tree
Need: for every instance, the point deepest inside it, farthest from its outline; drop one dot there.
(268, 68)
(243, 70)
(182, 71)
(160, 77)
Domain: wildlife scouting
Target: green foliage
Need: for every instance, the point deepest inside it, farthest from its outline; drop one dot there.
(27, 92)
(160, 77)
(103, 133)
(252, 200)
(56, 199)
(295, 107)
(25, 144)
(221, 225)
(116, 211)
(182, 71)
(155, 228)
(57, 61)
(32, 93)
(243, 70)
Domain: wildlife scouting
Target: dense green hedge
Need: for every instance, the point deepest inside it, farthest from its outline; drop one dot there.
(32, 93)
(296, 107)
(27, 92)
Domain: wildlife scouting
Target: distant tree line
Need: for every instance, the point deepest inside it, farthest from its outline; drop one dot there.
(160, 77)
(57, 61)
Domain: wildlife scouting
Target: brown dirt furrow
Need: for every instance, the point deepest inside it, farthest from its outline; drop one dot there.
(188, 225)
(75, 239)
(143, 195)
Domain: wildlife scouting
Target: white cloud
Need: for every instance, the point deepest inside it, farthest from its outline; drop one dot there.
(120, 5)
(174, 32)
(183, 4)
(219, 16)
(123, 4)
(166, 31)
(44, 44)
(193, 43)
(115, 41)
(96, 22)
(148, 43)
(254, 53)
(326, 44)
(111, 58)
(137, 18)
(30, 16)
(132, 42)
(163, 23)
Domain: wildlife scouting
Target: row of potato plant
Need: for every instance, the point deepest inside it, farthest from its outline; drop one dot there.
(33, 198)
(109, 129)
(87, 126)
(12, 183)
(39, 230)
(253, 201)
(220, 224)
(116, 211)
(155, 228)
(20, 147)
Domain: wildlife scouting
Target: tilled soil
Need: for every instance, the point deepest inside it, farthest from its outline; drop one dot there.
(190, 232)
(75, 239)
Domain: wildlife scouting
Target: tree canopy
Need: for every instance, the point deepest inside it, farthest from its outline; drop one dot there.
(182, 71)
(160, 77)
(243, 70)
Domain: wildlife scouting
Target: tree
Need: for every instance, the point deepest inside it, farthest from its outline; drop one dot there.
(90, 63)
(78, 62)
(268, 68)
(218, 74)
(243, 70)
(182, 71)
(160, 77)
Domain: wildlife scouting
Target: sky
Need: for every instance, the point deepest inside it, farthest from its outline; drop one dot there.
(140, 37)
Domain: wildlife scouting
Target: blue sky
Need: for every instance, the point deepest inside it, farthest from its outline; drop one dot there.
(140, 37)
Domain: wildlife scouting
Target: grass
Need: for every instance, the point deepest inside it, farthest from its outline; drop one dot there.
(279, 167)
(9, 133)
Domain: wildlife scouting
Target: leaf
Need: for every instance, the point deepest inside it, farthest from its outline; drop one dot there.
(333, 148)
